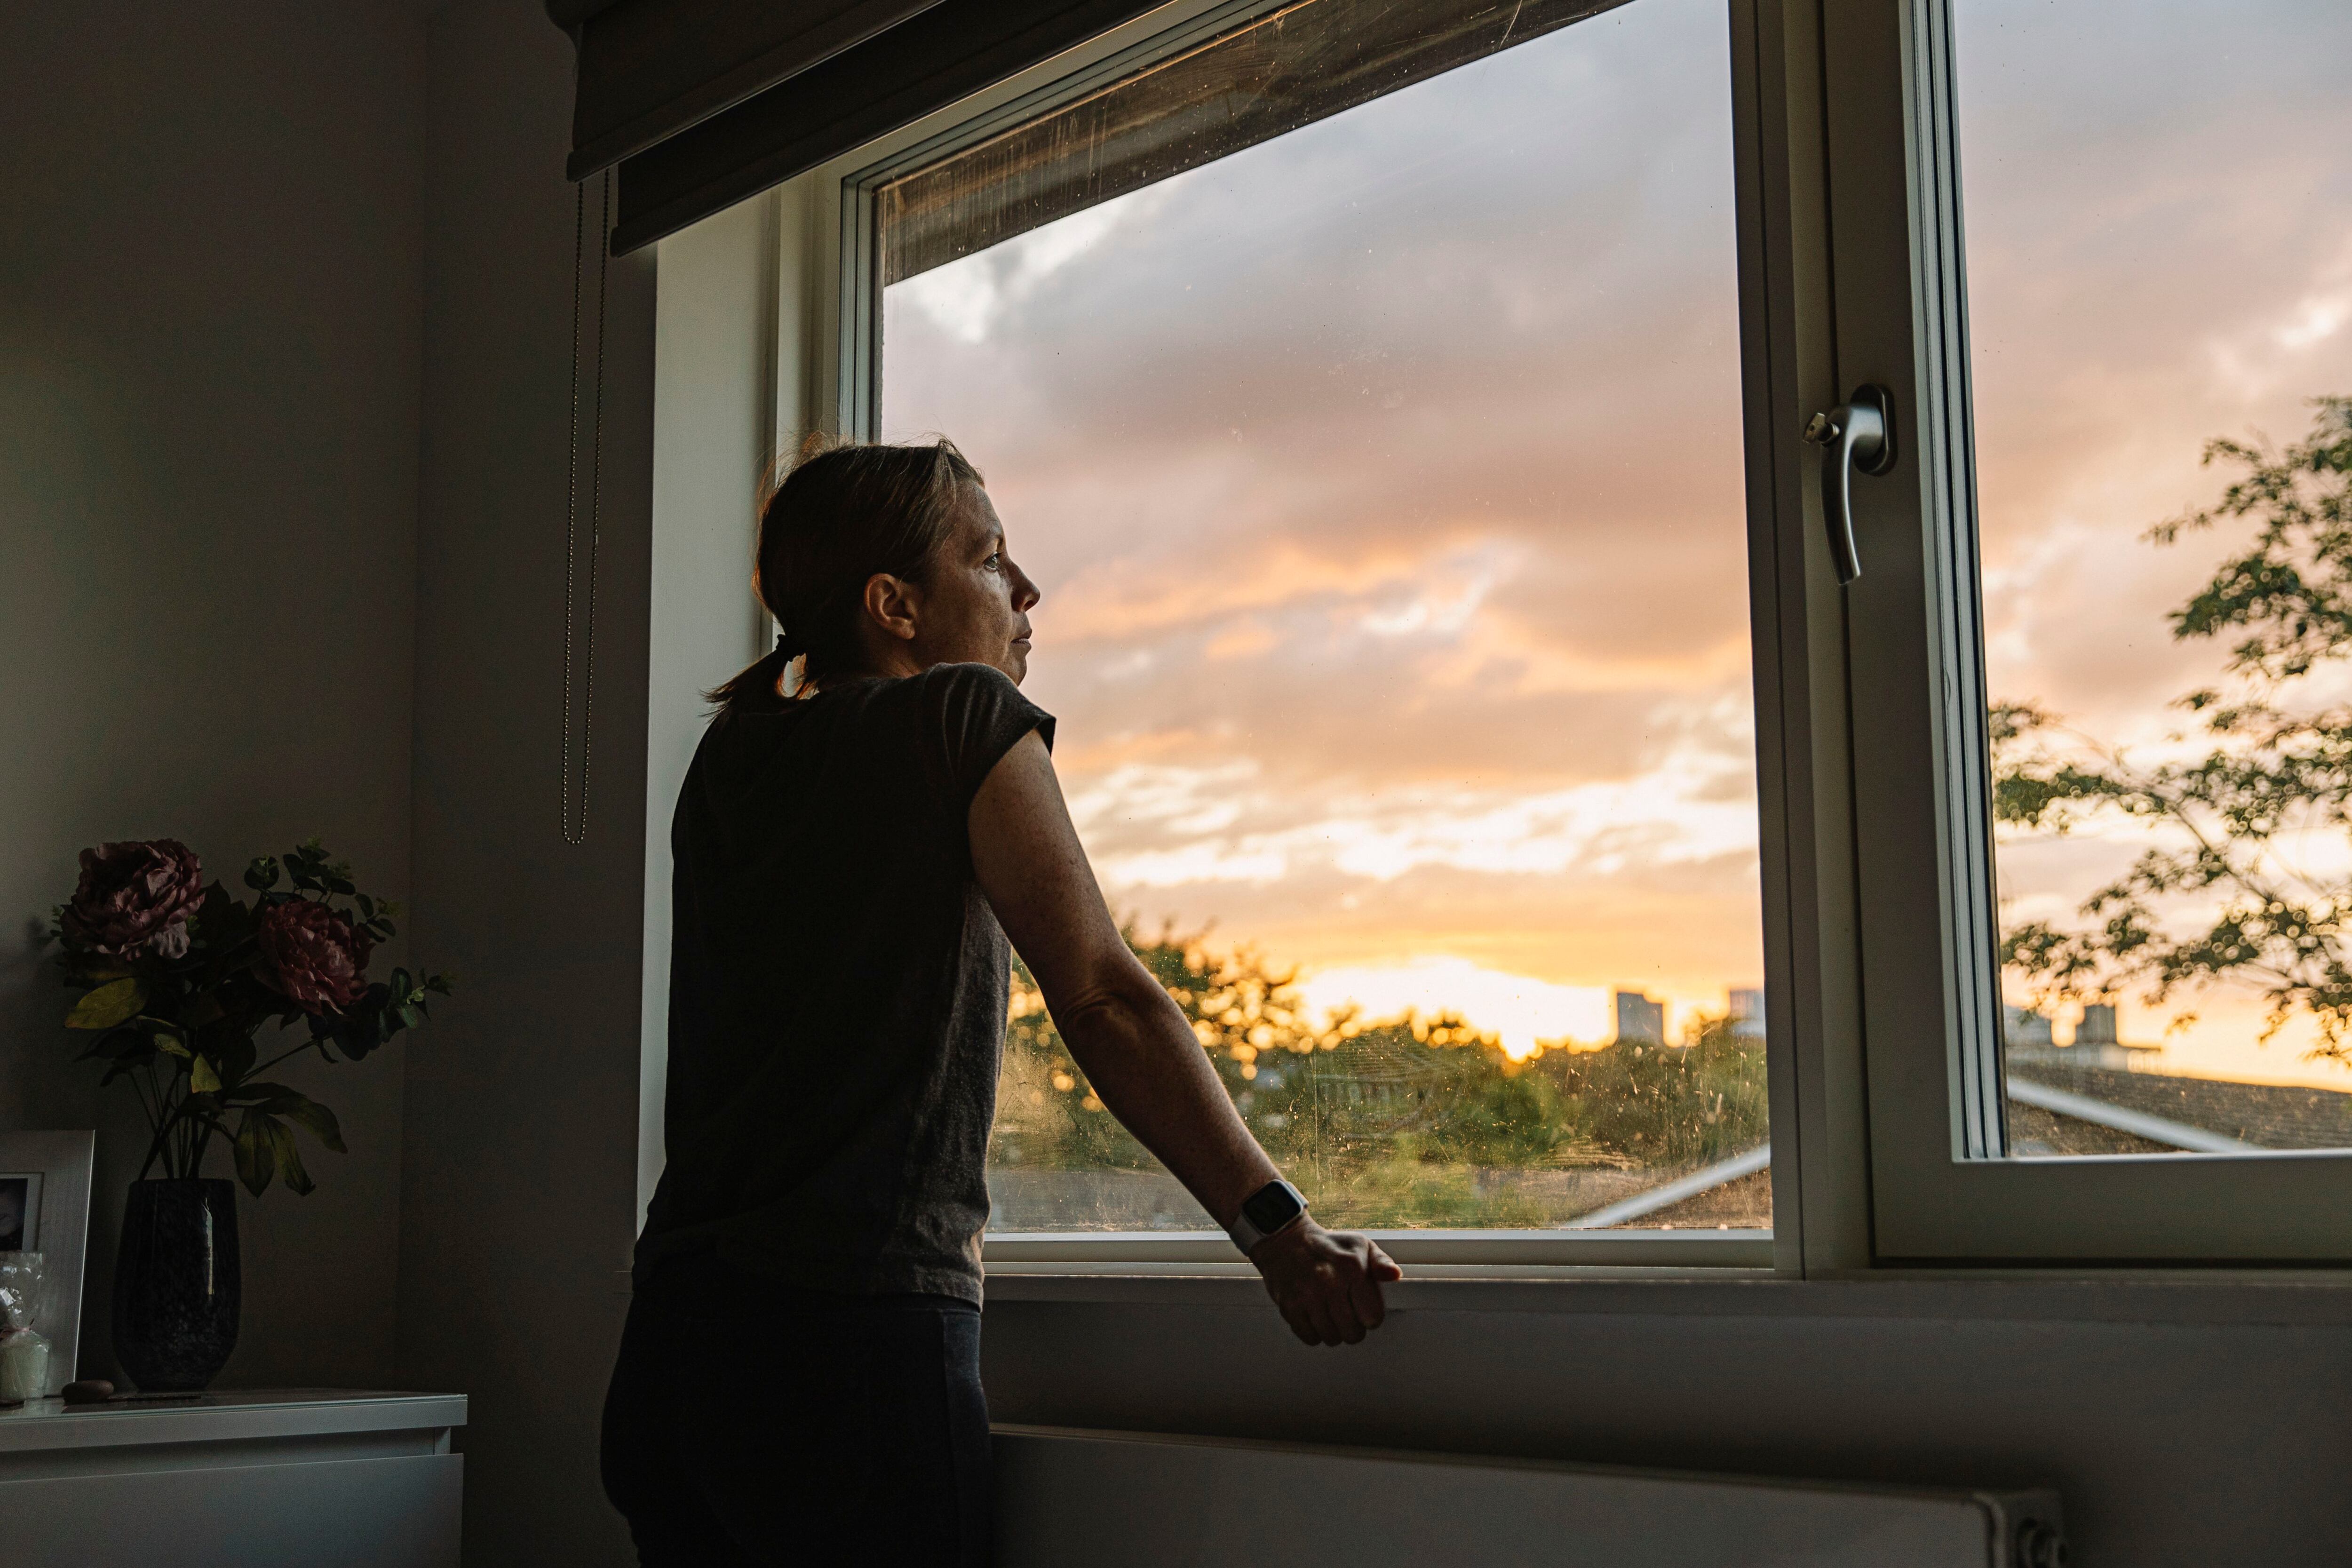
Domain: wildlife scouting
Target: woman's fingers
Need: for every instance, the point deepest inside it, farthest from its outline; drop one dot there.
(1364, 1298)
(1319, 1313)
(1327, 1286)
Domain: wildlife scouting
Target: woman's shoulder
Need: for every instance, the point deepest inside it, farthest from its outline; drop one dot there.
(963, 682)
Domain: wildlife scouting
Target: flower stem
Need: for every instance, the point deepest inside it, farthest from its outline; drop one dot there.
(273, 1061)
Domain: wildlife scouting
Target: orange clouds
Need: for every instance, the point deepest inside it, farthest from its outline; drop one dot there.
(1384, 484)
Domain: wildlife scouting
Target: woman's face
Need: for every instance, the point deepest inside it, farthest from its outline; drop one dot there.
(974, 606)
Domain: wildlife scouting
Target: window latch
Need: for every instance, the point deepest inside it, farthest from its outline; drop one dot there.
(1857, 434)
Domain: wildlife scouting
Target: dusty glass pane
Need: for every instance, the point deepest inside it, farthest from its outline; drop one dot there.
(1384, 482)
(2159, 210)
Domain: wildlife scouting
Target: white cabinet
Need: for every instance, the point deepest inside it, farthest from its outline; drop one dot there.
(242, 1480)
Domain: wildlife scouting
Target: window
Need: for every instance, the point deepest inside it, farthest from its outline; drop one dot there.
(1404, 408)
(2141, 284)
(2141, 945)
(1361, 384)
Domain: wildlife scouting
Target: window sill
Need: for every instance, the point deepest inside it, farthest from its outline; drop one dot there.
(2245, 1299)
(1483, 1250)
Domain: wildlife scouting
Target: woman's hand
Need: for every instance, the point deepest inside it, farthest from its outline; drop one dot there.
(1328, 1283)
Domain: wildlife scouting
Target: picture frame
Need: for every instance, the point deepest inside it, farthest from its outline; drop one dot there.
(44, 1208)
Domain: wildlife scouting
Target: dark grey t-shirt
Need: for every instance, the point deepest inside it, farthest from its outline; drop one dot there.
(837, 988)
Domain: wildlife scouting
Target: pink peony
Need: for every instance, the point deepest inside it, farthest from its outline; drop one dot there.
(135, 897)
(313, 955)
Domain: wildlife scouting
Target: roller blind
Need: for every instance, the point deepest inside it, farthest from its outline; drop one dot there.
(704, 102)
(649, 68)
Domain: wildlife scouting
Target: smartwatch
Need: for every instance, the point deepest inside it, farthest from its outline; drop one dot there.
(1277, 1205)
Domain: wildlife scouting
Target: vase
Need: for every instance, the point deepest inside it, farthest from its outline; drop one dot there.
(175, 1284)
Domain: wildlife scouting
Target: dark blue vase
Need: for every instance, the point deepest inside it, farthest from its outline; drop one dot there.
(175, 1284)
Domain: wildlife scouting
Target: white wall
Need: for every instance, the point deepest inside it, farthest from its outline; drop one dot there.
(2184, 1425)
(714, 433)
(518, 1201)
(210, 322)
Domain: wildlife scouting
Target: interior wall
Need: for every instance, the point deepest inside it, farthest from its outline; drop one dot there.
(714, 423)
(2182, 1427)
(519, 1201)
(210, 327)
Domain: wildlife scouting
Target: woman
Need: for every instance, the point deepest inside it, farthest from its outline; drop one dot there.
(799, 1381)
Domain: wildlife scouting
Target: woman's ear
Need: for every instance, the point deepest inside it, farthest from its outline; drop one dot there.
(893, 605)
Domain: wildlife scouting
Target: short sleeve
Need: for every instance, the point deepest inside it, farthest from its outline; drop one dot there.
(973, 714)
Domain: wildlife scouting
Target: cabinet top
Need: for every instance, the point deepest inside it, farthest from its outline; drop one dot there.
(227, 1415)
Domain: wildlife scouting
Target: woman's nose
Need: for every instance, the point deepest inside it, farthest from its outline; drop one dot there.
(1025, 593)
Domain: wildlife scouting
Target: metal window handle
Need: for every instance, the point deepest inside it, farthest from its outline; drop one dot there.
(1857, 434)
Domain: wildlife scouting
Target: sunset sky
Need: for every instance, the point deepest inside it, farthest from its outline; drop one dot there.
(1384, 484)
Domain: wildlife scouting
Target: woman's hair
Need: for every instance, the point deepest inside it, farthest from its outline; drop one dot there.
(841, 512)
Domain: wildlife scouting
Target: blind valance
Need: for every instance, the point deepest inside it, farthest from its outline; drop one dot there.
(704, 102)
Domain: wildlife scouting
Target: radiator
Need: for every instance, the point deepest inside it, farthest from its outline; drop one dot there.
(1067, 1497)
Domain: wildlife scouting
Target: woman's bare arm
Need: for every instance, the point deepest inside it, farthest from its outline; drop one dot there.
(1137, 1049)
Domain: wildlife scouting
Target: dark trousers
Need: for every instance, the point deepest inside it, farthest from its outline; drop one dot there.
(750, 1424)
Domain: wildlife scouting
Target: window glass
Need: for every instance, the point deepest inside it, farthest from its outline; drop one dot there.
(2158, 211)
(1383, 479)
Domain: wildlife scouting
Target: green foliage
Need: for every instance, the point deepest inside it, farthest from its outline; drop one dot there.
(2275, 776)
(1396, 1121)
(181, 1030)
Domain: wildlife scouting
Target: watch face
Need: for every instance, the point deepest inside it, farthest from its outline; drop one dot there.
(1271, 1207)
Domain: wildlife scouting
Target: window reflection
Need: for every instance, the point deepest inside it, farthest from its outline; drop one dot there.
(2159, 225)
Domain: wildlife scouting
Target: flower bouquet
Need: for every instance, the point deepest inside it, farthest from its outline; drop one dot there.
(177, 977)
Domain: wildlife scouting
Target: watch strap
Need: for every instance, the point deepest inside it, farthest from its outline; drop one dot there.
(1245, 1232)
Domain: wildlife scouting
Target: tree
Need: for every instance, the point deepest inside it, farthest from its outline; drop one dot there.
(1395, 1121)
(2236, 828)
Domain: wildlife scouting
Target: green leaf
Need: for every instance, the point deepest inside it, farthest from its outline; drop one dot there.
(202, 1078)
(309, 1114)
(165, 1041)
(256, 1152)
(290, 1159)
(262, 875)
(114, 1003)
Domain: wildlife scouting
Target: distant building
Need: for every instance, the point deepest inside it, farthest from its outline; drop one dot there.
(2097, 1044)
(1640, 1021)
(1747, 1013)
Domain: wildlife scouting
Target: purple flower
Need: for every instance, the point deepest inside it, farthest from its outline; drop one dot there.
(135, 898)
(314, 955)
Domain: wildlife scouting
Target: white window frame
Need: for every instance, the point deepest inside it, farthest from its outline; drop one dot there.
(1895, 312)
(1874, 858)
